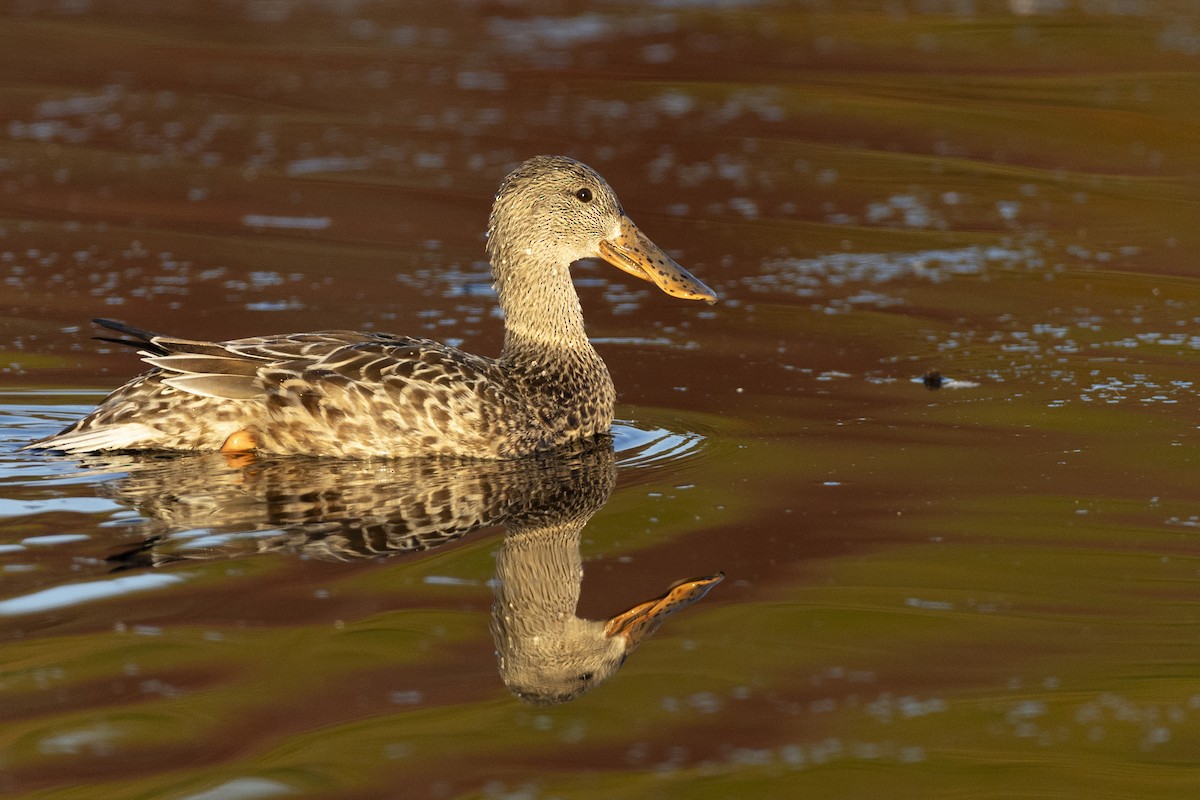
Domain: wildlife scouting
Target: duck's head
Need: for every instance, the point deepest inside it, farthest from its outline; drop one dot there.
(555, 210)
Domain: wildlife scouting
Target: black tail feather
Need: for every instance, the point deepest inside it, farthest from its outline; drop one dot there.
(142, 339)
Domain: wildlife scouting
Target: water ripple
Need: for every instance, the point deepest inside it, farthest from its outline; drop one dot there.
(90, 591)
(652, 447)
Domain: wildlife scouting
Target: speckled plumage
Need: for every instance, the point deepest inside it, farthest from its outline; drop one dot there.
(358, 395)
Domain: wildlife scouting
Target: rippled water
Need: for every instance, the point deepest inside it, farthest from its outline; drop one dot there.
(978, 585)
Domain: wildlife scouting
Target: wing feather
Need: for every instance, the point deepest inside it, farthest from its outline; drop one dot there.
(194, 364)
(221, 387)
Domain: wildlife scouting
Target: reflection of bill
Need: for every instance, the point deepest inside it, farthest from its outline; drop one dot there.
(644, 619)
(344, 510)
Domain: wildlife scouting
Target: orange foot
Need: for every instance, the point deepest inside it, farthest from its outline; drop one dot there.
(239, 442)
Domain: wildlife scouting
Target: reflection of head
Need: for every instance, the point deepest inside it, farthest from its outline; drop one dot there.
(546, 653)
(552, 658)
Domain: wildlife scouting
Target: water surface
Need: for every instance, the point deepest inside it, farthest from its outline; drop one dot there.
(985, 590)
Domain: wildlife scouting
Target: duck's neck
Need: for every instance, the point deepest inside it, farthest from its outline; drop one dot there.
(541, 309)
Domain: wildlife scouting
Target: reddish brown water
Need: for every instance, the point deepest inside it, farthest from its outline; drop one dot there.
(985, 590)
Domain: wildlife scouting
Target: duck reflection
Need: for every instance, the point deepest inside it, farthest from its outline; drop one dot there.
(211, 506)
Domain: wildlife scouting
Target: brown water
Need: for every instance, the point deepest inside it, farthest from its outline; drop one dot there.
(986, 590)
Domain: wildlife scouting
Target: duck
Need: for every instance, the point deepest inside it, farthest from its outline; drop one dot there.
(350, 394)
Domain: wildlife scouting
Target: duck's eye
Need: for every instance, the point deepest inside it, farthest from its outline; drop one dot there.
(584, 194)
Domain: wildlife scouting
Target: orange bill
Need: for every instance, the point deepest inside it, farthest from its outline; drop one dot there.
(632, 251)
(645, 618)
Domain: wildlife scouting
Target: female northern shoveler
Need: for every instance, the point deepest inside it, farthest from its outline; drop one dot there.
(347, 394)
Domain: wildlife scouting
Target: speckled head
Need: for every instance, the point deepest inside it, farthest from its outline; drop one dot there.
(553, 210)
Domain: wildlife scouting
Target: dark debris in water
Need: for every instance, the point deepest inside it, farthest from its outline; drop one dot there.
(934, 380)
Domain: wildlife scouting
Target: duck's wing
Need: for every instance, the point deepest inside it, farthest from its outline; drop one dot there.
(295, 363)
(340, 393)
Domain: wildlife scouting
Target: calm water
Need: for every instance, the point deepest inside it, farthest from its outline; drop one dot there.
(991, 589)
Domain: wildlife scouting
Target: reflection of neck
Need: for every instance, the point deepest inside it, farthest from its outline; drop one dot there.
(543, 647)
(539, 572)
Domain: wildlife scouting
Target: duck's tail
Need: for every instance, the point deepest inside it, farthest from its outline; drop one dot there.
(141, 340)
(131, 417)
